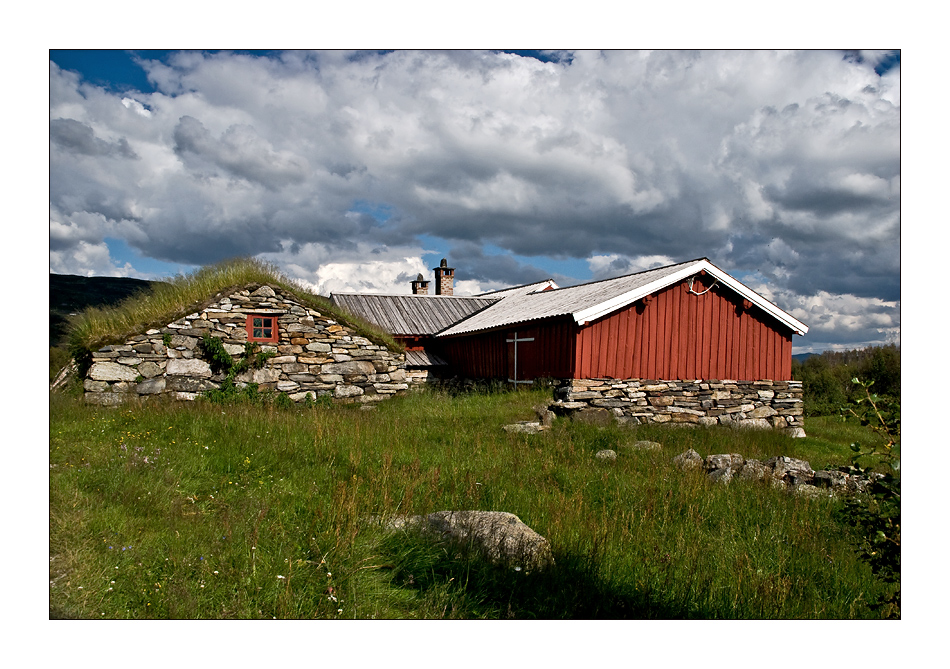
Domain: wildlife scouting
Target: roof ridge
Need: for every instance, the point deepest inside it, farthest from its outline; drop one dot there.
(448, 297)
(625, 276)
(524, 285)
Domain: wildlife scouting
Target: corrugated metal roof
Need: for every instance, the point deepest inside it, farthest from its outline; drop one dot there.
(524, 307)
(590, 301)
(423, 359)
(411, 314)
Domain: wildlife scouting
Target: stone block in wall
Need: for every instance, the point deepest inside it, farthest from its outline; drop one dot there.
(754, 424)
(91, 386)
(610, 403)
(188, 367)
(762, 412)
(343, 391)
(151, 386)
(105, 399)
(390, 387)
(188, 384)
(112, 371)
(259, 376)
(350, 367)
(183, 341)
(661, 401)
(682, 417)
(149, 369)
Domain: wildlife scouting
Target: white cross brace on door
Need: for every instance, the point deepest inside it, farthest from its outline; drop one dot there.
(515, 341)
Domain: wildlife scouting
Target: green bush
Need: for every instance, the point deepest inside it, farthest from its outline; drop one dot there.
(875, 516)
(826, 378)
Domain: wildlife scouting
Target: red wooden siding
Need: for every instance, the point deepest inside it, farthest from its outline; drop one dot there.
(490, 355)
(677, 335)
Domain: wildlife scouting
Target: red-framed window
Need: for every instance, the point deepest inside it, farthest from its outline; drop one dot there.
(262, 328)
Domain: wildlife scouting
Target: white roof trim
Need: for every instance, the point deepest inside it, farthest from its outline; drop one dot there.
(608, 306)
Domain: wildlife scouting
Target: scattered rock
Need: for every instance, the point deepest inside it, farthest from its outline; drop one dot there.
(781, 471)
(606, 455)
(643, 446)
(524, 427)
(545, 416)
(688, 460)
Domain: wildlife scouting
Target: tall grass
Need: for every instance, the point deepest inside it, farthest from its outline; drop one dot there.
(204, 511)
(183, 294)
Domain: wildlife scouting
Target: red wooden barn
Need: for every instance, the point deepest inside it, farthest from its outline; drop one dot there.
(685, 321)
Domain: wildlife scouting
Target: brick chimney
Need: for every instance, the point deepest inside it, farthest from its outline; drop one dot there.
(444, 278)
(420, 286)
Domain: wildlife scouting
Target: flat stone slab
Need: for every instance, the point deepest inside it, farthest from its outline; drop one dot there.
(525, 427)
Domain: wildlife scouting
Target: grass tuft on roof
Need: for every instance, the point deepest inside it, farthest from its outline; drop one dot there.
(178, 296)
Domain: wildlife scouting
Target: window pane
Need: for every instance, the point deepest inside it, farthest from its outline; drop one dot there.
(268, 333)
(258, 333)
(258, 322)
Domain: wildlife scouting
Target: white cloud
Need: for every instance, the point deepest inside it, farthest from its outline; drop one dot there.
(787, 163)
(85, 259)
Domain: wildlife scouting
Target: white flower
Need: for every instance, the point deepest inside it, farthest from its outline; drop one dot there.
(279, 576)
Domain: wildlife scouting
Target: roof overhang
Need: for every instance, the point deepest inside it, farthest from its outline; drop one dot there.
(691, 269)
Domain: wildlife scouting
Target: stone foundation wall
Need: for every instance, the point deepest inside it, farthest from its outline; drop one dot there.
(314, 355)
(755, 404)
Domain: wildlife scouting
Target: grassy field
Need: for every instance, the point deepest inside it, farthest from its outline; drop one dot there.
(208, 511)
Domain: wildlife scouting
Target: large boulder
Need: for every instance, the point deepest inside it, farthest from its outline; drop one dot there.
(498, 536)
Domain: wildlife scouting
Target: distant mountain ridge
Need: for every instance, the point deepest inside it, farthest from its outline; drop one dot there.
(70, 294)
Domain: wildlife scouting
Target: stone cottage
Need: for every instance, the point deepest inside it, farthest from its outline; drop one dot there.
(310, 354)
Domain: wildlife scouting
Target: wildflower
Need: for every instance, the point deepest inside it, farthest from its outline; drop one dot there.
(279, 576)
(215, 571)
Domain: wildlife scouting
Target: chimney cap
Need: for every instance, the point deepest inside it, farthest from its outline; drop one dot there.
(443, 263)
(419, 278)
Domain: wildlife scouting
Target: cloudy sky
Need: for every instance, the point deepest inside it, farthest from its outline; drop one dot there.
(355, 171)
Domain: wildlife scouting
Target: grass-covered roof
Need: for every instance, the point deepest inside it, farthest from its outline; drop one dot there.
(176, 297)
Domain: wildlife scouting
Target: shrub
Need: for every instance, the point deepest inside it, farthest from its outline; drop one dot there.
(876, 515)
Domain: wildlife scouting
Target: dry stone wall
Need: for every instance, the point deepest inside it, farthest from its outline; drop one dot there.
(754, 404)
(314, 355)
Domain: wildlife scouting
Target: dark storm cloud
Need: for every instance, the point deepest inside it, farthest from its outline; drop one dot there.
(240, 152)
(78, 137)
